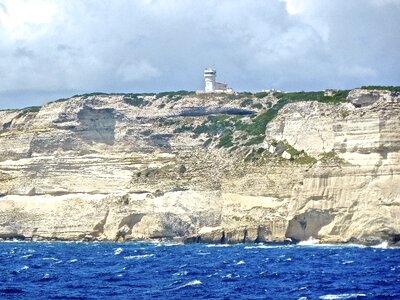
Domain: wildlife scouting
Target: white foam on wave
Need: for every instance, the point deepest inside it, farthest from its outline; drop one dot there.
(242, 262)
(347, 262)
(27, 256)
(383, 245)
(310, 242)
(262, 247)
(341, 296)
(191, 283)
(24, 268)
(168, 244)
(218, 245)
(73, 260)
(138, 256)
(183, 273)
(118, 251)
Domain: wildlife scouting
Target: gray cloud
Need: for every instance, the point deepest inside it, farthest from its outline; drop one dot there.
(143, 45)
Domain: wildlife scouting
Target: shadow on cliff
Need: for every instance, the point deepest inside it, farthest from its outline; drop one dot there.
(97, 125)
(308, 224)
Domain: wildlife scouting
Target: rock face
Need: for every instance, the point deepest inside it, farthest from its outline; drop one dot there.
(120, 167)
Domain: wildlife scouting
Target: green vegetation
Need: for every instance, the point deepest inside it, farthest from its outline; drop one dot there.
(332, 157)
(255, 140)
(174, 95)
(207, 142)
(261, 95)
(226, 140)
(257, 106)
(344, 113)
(183, 128)
(31, 109)
(382, 88)
(246, 102)
(133, 99)
(285, 98)
(297, 156)
(168, 121)
(182, 169)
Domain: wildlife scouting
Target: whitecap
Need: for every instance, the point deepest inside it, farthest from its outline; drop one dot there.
(289, 259)
(241, 262)
(383, 245)
(46, 276)
(138, 256)
(50, 258)
(203, 253)
(183, 273)
(261, 247)
(168, 244)
(192, 283)
(310, 242)
(118, 251)
(73, 260)
(219, 245)
(347, 262)
(341, 296)
(24, 268)
(27, 256)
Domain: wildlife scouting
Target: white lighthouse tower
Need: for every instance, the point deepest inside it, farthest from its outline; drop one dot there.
(209, 78)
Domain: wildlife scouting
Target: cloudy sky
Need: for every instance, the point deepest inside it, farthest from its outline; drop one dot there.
(57, 48)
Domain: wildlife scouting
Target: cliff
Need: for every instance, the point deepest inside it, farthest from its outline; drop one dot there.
(204, 168)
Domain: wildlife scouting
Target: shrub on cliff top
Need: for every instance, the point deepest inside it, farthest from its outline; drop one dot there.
(382, 88)
(134, 100)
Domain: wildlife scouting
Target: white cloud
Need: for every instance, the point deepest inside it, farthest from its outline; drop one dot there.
(69, 46)
(24, 19)
(140, 71)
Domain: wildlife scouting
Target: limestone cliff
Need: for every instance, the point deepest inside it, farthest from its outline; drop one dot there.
(203, 168)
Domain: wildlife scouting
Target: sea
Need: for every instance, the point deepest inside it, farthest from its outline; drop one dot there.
(62, 270)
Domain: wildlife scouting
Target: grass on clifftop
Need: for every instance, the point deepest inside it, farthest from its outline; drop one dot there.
(338, 97)
(382, 88)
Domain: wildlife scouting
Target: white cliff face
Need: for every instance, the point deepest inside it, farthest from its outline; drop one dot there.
(99, 168)
(357, 198)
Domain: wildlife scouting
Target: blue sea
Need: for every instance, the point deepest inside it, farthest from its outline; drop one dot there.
(175, 271)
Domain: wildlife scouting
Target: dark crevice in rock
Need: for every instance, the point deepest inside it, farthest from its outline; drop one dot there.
(98, 229)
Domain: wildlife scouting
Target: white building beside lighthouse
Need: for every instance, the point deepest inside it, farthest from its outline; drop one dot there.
(211, 85)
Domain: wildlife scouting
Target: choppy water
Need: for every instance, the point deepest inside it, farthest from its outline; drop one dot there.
(171, 271)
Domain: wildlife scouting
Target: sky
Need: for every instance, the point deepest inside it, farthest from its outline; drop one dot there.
(52, 49)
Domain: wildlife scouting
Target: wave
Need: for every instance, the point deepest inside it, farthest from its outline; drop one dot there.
(118, 251)
(191, 283)
(168, 244)
(241, 262)
(383, 245)
(341, 296)
(138, 256)
(310, 242)
(263, 247)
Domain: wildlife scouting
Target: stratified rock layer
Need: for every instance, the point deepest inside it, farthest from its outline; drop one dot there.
(99, 168)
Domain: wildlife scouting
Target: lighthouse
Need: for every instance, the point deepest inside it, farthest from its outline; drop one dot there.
(209, 78)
